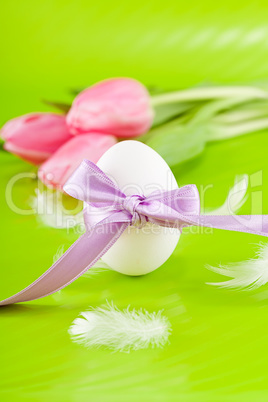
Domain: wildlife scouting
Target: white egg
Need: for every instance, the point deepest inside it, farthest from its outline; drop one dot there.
(138, 169)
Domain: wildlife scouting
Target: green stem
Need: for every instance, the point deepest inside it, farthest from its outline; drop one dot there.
(202, 93)
(211, 109)
(239, 116)
(222, 133)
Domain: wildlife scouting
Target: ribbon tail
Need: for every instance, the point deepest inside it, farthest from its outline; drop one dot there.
(84, 253)
(254, 224)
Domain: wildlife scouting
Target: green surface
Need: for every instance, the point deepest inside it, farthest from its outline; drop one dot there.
(218, 346)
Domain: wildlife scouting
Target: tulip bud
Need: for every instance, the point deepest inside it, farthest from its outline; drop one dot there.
(59, 167)
(118, 106)
(35, 136)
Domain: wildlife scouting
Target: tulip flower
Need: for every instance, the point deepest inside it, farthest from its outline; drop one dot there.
(118, 106)
(35, 136)
(59, 167)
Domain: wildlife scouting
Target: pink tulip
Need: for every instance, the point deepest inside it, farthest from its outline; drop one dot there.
(35, 136)
(118, 106)
(59, 167)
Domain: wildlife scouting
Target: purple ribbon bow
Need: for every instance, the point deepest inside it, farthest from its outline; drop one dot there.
(108, 212)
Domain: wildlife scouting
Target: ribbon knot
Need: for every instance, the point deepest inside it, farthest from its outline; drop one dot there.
(130, 204)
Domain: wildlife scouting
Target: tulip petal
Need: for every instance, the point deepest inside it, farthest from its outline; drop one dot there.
(35, 136)
(59, 167)
(118, 106)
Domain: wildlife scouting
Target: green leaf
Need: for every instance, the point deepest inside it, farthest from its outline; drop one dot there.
(64, 107)
(178, 144)
(167, 112)
(76, 91)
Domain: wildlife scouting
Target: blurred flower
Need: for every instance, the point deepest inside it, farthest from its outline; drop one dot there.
(59, 167)
(35, 136)
(118, 106)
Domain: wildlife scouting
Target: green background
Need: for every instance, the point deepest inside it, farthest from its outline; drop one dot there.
(218, 347)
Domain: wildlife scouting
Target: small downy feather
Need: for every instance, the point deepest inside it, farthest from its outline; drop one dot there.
(247, 275)
(97, 268)
(118, 330)
(236, 197)
(50, 211)
(59, 253)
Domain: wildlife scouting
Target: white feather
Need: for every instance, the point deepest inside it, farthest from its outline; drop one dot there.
(118, 330)
(236, 197)
(247, 275)
(50, 211)
(97, 268)
(59, 253)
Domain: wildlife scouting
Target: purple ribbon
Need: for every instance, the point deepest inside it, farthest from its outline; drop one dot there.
(108, 212)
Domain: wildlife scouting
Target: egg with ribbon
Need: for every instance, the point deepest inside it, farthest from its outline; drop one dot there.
(138, 170)
(133, 209)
